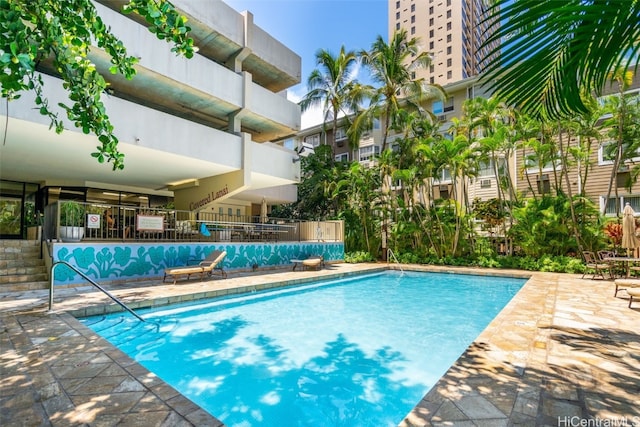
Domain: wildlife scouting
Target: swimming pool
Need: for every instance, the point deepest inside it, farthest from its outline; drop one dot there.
(354, 352)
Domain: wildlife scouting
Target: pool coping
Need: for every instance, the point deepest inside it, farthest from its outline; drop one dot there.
(508, 376)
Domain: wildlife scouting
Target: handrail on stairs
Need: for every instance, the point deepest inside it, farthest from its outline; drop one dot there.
(390, 255)
(90, 280)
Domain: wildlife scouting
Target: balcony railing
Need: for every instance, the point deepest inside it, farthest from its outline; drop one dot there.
(76, 221)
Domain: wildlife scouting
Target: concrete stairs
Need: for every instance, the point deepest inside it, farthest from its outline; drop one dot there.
(21, 267)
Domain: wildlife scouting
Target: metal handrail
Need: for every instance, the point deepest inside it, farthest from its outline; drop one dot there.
(90, 280)
(390, 254)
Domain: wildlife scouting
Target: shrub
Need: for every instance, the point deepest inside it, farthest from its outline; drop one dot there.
(358, 256)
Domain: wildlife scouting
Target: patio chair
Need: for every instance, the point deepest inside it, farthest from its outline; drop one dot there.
(204, 268)
(315, 262)
(595, 265)
(602, 258)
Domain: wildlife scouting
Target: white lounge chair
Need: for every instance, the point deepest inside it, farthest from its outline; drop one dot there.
(204, 268)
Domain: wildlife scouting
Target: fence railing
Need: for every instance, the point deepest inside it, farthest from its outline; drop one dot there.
(77, 221)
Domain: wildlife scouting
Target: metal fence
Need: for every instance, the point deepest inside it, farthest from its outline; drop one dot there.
(76, 221)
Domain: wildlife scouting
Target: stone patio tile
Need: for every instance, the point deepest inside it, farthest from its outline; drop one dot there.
(176, 420)
(449, 412)
(114, 403)
(478, 408)
(57, 406)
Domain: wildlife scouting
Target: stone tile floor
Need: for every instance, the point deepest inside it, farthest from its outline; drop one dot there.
(563, 352)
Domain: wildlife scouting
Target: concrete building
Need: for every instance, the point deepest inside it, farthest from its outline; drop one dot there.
(196, 133)
(451, 30)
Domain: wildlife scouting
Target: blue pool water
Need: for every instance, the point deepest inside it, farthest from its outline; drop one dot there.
(356, 352)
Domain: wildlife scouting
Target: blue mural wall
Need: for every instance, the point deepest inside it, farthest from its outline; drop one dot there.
(117, 261)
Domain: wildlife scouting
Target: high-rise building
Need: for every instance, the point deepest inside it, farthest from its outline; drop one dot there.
(451, 30)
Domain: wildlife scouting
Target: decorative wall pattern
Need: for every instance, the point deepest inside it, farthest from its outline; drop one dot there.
(113, 261)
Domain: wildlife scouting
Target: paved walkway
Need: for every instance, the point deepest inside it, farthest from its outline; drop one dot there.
(563, 352)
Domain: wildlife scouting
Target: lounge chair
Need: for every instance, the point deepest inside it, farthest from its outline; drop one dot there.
(633, 293)
(596, 266)
(204, 268)
(315, 262)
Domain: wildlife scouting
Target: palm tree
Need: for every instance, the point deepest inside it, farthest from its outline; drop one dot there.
(391, 66)
(334, 86)
(557, 50)
(621, 129)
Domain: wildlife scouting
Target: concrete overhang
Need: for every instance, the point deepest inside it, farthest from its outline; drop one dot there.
(160, 150)
(219, 33)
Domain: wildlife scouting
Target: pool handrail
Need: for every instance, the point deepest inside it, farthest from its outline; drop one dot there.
(90, 280)
(390, 255)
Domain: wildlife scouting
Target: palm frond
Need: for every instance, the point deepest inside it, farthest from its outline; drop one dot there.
(553, 51)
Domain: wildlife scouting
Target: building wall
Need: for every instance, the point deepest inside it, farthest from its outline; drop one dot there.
(451, 30)
(112, 262)
(178, 121)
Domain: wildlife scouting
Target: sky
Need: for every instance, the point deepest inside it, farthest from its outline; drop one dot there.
(305, 26)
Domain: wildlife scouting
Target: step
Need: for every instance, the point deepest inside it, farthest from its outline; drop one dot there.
(24, 286)
(18, 252)
(23, 270)
(23, 278)
(18, 242)
(6, 264)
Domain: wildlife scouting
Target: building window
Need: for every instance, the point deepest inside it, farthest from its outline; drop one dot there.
(448, 50)
(397, 15)
(448, 26)
(367, 153)
(413, 75)
(238, 212)
(449, 13)
(487, 169)
(430, 10)
(448, 38)
(397, 25)
(344, 157)
(448, 104)
(431, 45)
(544, 184)
(607, 153)
(432, 80)
(443, 176)
(313, 139)
(634, 201)
(431, 33)
(448, 2)
(413, 30)
(431, 22)
(413, 19)
(449, 75)
(397, 5)
(413, 8)
(437, 107)
(431, 68)
(449, 62)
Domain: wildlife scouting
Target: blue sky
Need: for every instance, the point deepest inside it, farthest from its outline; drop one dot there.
(308, 25)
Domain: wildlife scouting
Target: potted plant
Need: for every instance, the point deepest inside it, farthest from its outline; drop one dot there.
(33, 221)
(71, 221)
